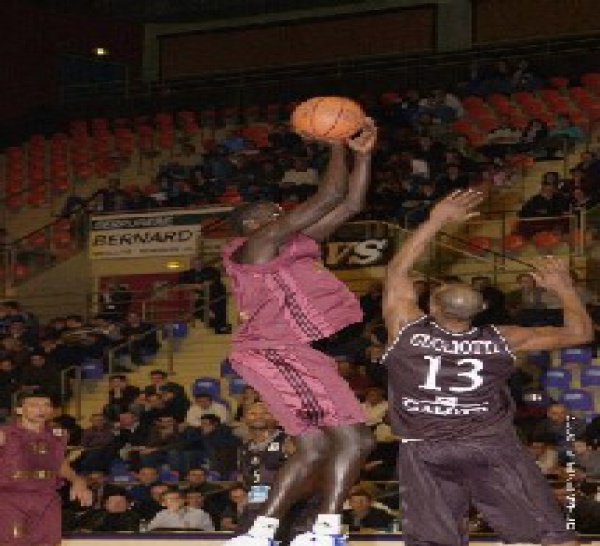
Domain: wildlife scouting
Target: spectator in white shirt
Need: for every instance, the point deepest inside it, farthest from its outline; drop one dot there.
(375, 406)
(178, 516)
(203, 405)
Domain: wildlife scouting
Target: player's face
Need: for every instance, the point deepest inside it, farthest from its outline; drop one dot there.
(258, 416)
(36, 410)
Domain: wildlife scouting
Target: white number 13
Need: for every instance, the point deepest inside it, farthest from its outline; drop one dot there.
(435, 363)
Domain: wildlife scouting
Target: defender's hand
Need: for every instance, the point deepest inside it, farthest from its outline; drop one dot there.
(457, 207)
(552, 273)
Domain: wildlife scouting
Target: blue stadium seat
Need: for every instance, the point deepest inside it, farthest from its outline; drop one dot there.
(206, 385)
(556, 378)
(236, 385)
(180, 329)
(582, 355)
(92, 368)
(590, 376)
(578, 400)
(226, 368)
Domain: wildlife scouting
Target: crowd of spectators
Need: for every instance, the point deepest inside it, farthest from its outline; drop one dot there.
(34, 355)
(162, 457)
(419, 158)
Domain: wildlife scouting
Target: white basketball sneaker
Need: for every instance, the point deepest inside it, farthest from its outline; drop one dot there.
(327, 531)
(260, 534)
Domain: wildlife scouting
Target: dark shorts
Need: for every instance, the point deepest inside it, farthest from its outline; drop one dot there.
(439, 480)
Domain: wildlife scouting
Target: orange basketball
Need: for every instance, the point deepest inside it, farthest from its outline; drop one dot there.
(332, 118)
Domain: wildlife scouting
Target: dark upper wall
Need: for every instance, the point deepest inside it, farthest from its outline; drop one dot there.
(509, 20)
(308, 41)
(33, 41)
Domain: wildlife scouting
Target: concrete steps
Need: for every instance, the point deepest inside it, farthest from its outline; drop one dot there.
(200, 354)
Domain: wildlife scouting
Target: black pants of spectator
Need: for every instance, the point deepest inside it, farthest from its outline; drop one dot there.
(95, 459)
(218, 313)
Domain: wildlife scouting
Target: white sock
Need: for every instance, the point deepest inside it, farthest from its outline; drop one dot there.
(328, 524)
(264, 527)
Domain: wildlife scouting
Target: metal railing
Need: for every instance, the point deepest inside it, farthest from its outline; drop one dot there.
(448, 252)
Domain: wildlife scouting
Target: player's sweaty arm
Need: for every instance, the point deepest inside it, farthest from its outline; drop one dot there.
(362, 145)
(263, 244)
(399, 296)
(553, 274)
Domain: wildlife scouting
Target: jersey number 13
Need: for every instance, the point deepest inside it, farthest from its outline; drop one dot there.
(435, 363)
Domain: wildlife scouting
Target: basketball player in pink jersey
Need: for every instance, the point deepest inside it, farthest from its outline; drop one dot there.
(286, 300)
(450, 403)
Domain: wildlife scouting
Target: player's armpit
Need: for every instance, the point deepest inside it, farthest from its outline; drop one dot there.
(540, 338)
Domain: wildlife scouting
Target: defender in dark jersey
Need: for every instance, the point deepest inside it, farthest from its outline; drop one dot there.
(449, 400)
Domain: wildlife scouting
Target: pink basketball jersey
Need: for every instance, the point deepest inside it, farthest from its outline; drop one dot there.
(290, 299)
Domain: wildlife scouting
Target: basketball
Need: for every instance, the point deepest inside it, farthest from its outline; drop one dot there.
(332, 118)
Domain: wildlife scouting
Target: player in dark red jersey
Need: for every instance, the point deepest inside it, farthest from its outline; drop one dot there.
(450, 403)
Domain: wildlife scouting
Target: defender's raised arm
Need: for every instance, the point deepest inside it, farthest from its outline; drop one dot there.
(399, 298)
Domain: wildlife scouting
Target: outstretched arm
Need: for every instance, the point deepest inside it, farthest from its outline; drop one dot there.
(553, 274)
(400, 304)
(362, 146)
(263, 244)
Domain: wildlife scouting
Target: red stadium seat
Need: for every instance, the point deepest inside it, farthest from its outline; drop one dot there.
(61, 238)
(37, 197)
(545, 240)
(251, 113)
(479, 244)
(591, 79)
(21, 271)
(60, 184)
(558, 82)
(473, 101)
(164, 120)
(273, 112)
(512, 243)
(15, 202)
(38, 239)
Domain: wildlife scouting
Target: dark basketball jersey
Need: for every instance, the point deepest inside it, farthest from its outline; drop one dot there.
(259, 462)
(446, 385)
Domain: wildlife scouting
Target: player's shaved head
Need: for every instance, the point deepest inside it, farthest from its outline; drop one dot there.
(456, 301)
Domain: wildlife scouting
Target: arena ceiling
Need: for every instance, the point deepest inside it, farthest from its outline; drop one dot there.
(153, 11)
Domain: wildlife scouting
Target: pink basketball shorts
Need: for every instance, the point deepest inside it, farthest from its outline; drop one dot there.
(301, 386)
